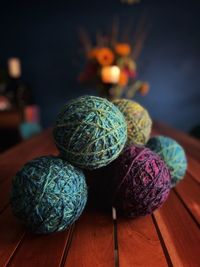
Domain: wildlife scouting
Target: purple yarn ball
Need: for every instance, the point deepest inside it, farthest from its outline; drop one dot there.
(142, 182)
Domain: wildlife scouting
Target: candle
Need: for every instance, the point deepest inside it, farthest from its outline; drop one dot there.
(14, 67)
(110, 74)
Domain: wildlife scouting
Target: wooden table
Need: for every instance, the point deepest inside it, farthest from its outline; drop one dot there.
(9, 128)
(170, 237)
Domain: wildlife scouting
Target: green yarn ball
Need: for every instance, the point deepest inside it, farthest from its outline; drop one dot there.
(48, 194)
(90, 132)
(138, 121)
(172, 153)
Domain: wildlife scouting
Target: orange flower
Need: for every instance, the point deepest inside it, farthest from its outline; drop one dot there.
(123, 49)
(144, 88)
(93, 53)
(123, 78)
(105, 56)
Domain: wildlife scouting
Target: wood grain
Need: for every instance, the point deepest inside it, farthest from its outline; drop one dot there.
(189, 191)
(92, 244)
(41, 250)
(11, 234)
(24, 151)
(194, 168)
(139, 244)
(181, 235)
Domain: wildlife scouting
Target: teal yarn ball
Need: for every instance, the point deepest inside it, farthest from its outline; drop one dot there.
(173, 155)
(90, 132)
(48, 194)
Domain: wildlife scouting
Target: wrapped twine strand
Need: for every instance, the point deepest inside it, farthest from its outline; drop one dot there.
(173, 155)
(139, 123)
(90, 132)
(48, 194)
(142, 182)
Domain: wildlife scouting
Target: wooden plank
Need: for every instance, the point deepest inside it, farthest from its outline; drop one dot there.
(10, 119)
(35, 250)
(11, 234)
(189, 191)
(180, 234)
(191, 145)
(27, 150)
(4, 193)
(194, 168)
(139, 244)
(92, 244)
(41, 250)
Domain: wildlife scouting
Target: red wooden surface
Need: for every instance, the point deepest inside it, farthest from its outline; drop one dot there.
(193, 168)
(139, 243)
(170, 237)
(189, 192)
(179, 218)
(92, 243)
(41, 250)
(181, 235)
(11, 235)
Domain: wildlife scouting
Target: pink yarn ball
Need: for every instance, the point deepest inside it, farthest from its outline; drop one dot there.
(142, 182)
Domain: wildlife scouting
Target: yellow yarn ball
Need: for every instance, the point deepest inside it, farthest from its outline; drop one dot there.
(138, 121)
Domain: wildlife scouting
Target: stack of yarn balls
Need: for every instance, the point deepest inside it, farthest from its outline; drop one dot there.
(94, 135)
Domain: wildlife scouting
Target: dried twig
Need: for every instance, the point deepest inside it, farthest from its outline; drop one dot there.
(85, 40)
(127, 32)
(140, 36)
(99, 39)
(115, 31)
(139, 44)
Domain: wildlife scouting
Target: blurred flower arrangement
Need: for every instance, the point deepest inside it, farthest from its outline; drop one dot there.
(111, 65)
(130, 2)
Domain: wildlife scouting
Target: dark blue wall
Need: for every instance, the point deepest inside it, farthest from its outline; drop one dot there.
(44, 35)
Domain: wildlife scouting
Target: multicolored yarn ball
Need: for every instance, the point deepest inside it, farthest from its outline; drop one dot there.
(172, 153)
(142, 182)
(90, 132)
(138, 121)
(48, 194)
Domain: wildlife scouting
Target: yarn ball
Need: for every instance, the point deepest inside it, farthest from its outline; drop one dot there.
(90, 132)
(172, 153)
(138, 121)
(48, 194)
(142, 182)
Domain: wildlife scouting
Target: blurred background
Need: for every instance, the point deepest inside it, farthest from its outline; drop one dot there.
(41, 57)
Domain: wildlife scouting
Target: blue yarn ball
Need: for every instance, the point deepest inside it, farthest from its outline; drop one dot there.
(172, 153)
(90, 132)
(48, 194)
